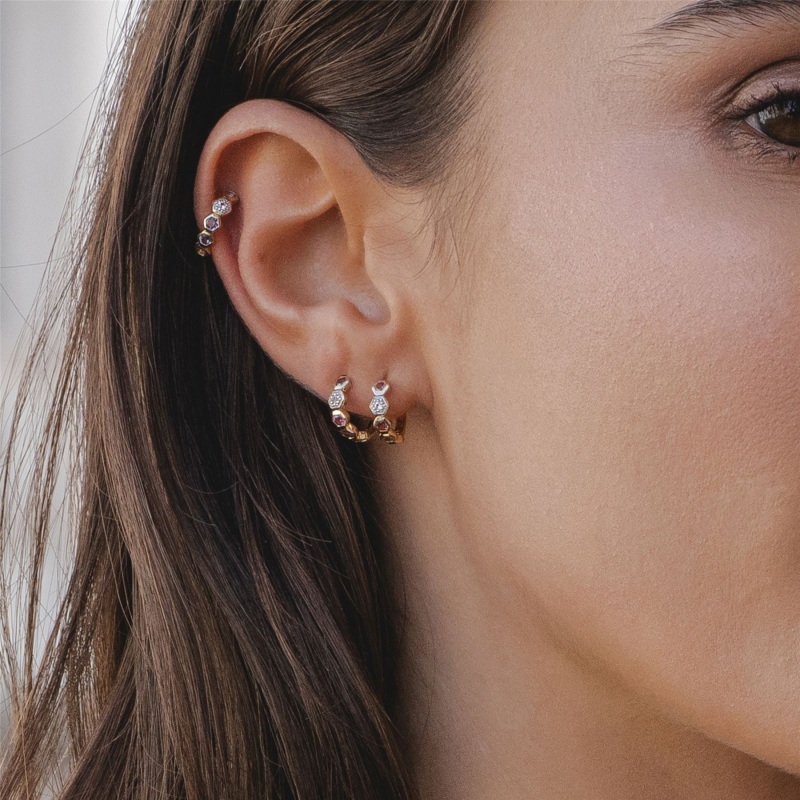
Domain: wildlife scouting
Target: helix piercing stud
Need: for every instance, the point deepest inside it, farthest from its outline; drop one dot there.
(219, 208)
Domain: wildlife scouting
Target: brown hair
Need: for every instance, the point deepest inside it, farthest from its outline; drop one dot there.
(227, 629)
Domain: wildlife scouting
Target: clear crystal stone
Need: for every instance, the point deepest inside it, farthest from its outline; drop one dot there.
(336, 400)
(205, 239)
(211, 222)
(379, 404)
(221, 206)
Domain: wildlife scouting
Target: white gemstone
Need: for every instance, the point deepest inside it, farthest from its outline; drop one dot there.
(379, 404)
(336, 400)
(211, 222)
(221, 206)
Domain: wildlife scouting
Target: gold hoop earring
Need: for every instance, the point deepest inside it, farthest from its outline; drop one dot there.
(219, 208)
(341, 416)
(390, 432)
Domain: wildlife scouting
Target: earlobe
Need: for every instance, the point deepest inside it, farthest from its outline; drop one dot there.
(293, 255)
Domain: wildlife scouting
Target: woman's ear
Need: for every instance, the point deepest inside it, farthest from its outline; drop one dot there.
(315, 254)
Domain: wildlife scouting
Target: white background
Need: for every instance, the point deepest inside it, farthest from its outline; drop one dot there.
(52, 56)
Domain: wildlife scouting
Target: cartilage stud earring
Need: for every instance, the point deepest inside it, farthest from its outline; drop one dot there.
(219, 208)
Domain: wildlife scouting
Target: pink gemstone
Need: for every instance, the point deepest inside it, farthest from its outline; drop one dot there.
(340, 422)
(380, 387)
(382, 425)
(342, 382)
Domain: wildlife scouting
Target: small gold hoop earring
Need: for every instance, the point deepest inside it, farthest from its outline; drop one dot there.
(213, 222)
(341, 416)
(390, 432)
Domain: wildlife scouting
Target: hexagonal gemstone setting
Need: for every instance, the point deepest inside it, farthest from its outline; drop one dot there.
(379, 404)
(336, 399)
(205, 239)
(221, 206)
(211, 222)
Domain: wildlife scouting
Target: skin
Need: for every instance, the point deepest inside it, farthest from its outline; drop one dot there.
(596, 512)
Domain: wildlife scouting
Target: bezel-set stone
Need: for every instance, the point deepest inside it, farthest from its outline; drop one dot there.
(336, 399)
(340, 418)
(381, 387)
(205, 239)
(211, 222)
(382, 424)
(379, 404)
(221, 206)
(342, 382)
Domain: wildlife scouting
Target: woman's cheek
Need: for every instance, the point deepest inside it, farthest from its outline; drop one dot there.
(645, 458)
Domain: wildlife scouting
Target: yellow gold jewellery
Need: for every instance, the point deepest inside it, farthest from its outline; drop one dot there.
(391, 432)
(382, 426)
(219, 208)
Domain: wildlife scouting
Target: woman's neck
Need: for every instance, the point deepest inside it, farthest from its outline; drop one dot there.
(492, 706)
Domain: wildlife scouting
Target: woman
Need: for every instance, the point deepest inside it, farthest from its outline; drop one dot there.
(549, 252)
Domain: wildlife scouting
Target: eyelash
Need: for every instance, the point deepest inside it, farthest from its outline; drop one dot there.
(755, 141)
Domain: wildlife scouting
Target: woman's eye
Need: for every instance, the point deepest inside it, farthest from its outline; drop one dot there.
(779, 120)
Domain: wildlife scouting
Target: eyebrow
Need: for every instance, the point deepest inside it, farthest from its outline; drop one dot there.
(722, 17)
